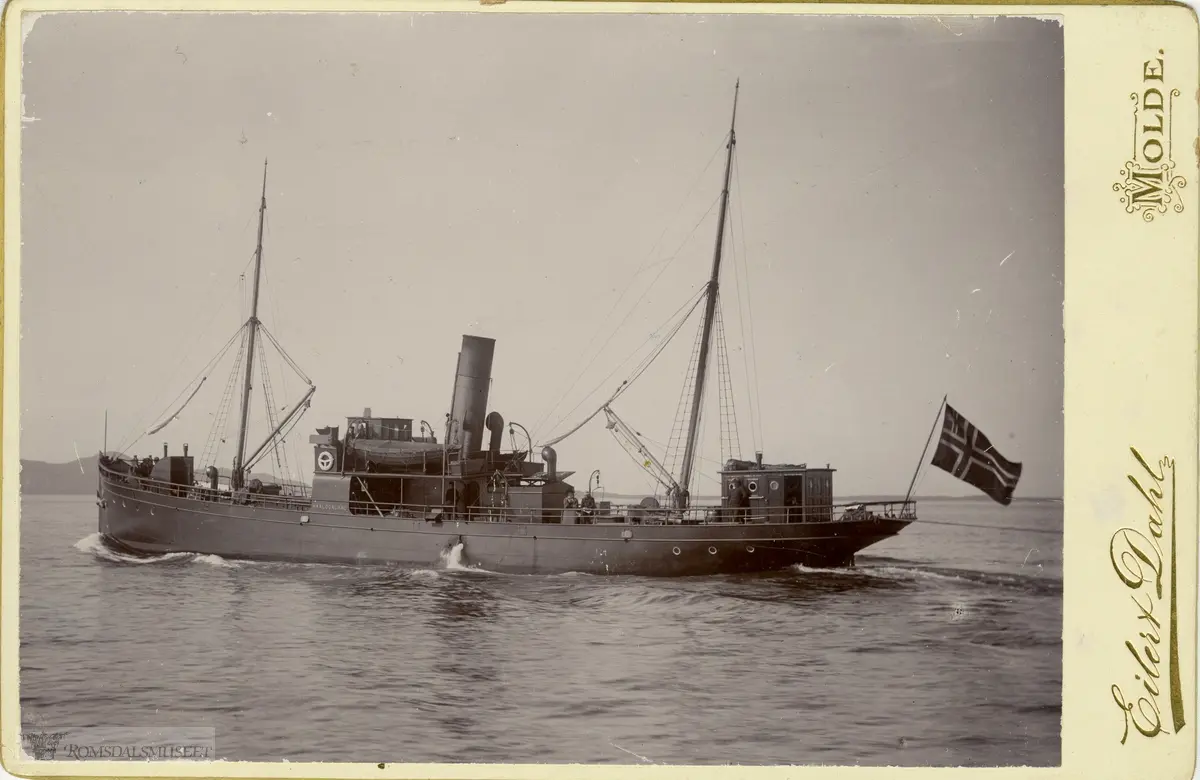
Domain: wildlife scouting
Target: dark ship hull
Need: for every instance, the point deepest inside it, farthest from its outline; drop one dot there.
(142, 520)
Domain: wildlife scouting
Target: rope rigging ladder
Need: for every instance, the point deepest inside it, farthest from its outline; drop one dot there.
(218, 432)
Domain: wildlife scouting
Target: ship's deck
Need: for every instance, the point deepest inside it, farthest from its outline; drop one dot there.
(608, 514)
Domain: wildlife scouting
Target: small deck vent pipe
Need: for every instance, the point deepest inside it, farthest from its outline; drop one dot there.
(495, 423)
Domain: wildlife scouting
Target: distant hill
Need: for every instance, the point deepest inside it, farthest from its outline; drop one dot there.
(63, 479)
(76, 478)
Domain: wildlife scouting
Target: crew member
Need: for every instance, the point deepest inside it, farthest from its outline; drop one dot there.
(683, 498)
(460, 501)
(570, 502)
(739, 500)
(587, 507)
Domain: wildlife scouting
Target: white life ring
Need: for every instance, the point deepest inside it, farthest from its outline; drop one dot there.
(325, 460)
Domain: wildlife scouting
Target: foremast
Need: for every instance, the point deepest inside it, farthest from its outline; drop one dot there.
(710, 308)
(238, 476)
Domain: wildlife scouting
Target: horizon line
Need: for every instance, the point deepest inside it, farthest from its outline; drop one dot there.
(881, 497)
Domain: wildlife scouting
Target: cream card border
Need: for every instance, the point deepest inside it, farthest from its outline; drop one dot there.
(1131, 382)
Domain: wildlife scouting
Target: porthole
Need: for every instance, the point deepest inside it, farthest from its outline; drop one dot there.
(712, 550)
(675, 550)
(752, 487)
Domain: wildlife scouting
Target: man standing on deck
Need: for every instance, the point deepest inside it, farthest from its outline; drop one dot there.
(460, 500)
(739, 500)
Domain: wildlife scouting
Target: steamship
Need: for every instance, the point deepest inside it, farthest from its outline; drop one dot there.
(388, 492)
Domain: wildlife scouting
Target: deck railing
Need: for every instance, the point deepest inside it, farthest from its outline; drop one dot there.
(605, 512)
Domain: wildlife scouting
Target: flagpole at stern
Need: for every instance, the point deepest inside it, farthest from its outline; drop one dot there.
(921, 461)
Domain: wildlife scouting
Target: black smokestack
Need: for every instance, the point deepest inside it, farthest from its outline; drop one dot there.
(471, 385)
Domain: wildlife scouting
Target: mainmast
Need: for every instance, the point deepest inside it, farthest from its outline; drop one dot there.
(689, 453)
(237, 479)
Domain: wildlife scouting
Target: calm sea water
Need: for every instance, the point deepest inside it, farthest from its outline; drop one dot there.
(942, 648)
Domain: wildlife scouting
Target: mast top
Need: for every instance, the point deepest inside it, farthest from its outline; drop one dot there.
(733, 122)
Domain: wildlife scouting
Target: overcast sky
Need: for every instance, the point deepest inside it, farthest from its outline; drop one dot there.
(897, 226)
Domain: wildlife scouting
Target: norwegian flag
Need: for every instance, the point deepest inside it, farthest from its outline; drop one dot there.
(966, 453)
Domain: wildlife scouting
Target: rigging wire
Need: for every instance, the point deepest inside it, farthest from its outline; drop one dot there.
(645, 364)
(674, 448)
(202, 372)
(621, 325)
(1053, 531)
(727, 409)
(745, 339)
(693, 375)
(220, 427)
(586, 364)
(745, 262)
(268, 397)
(637, 372)
(279, 444)
(290, 454)
(277, 435)
(283, 353)
(289, 449)
(178, 411)
(141, 421)
(751, 361)
(240, 282)
(701, 458)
